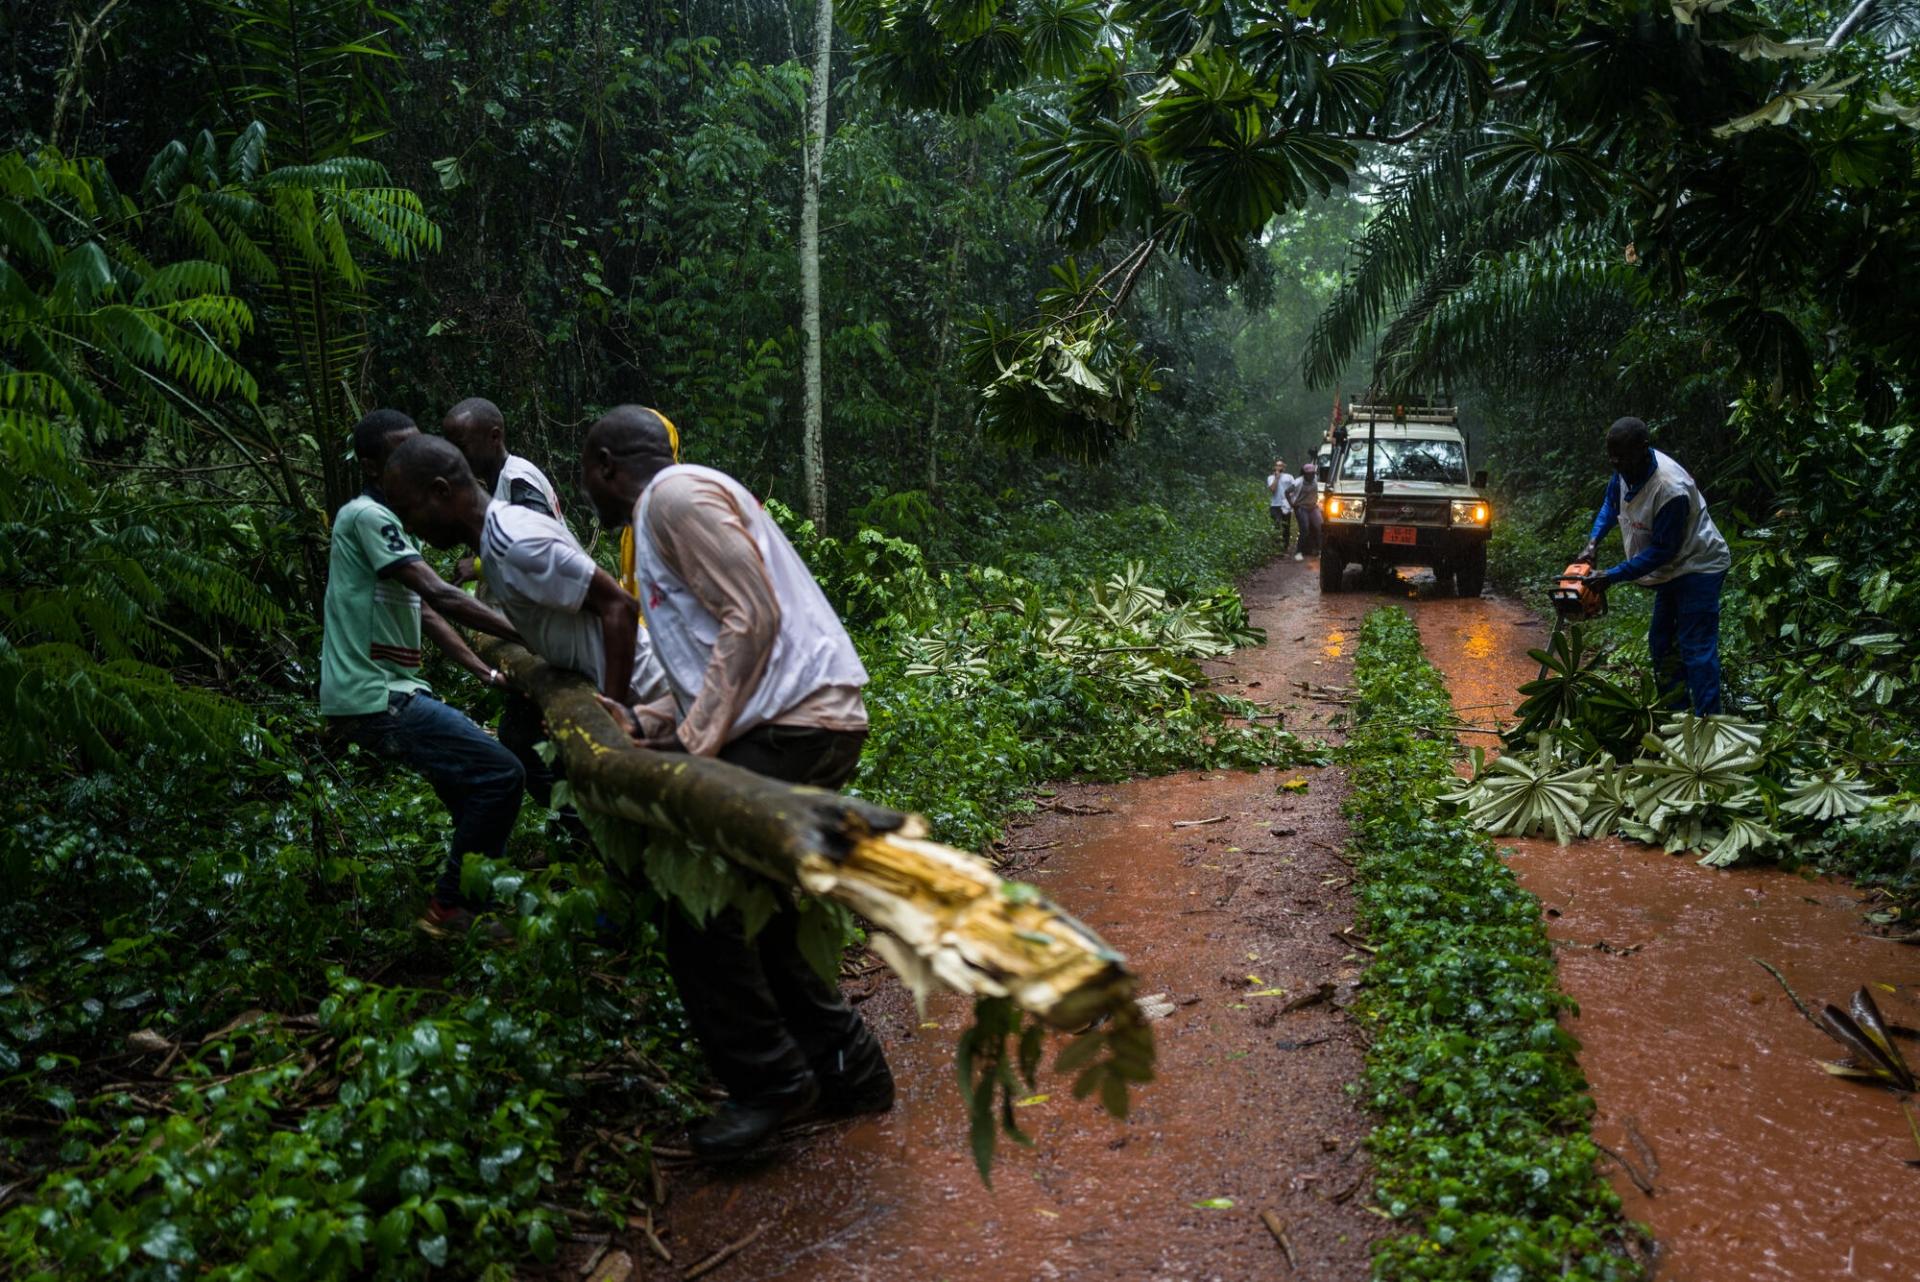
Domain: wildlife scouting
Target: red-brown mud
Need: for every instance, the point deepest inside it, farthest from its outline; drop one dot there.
(1705, 1079)
(1250, 1106)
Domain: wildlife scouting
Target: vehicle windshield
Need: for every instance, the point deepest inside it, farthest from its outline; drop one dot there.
(1406, 460)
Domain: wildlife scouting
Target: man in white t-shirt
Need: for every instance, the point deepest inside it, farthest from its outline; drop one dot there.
(478, 430)
(1280, 490)
(571, 612)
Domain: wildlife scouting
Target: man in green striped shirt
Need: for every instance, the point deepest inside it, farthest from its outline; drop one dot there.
(381, 595)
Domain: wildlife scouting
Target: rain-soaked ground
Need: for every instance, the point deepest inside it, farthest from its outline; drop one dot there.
(1744, 1159)
(1251, 1105)
(1740, 1155)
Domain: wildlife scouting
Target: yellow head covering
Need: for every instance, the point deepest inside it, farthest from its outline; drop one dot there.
(629, 577)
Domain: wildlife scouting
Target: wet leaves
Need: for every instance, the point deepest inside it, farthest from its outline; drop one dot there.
(1830, 795)
(1524, 793)
(1700, 785)
(998, 1061)
(1872, 1055)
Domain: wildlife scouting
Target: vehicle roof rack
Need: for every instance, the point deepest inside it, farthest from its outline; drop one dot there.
(1402, 412)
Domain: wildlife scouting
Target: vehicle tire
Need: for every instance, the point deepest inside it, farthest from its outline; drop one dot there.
(1443, 579)
(1333, 569)
(1470, 577)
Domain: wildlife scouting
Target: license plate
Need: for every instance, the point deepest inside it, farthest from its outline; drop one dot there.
(1405, 535)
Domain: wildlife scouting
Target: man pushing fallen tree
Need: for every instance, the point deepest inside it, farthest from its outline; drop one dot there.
(381, 596)
(762, 675)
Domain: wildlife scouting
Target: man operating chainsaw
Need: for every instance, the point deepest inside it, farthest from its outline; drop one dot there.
(1672, 547)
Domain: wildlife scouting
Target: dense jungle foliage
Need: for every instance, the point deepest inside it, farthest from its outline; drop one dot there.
(1084, 269)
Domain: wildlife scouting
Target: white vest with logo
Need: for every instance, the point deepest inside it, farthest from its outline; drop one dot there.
(811, 651)
(1702, 550)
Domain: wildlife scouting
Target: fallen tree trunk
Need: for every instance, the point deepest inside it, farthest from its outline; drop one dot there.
(947, 916)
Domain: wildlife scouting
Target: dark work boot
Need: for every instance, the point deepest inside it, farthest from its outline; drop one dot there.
(858, 1081)
(739, 1127)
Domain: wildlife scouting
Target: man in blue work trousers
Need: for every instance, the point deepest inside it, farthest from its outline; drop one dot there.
(1673, 548)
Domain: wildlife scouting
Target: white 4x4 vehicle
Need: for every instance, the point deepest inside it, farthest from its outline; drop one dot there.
(1401, 494)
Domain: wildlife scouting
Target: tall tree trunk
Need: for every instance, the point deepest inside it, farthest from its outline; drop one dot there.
(812, 447)
(85, 36)
(939, 396)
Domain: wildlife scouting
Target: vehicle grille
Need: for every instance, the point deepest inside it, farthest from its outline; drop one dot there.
(1389, 511)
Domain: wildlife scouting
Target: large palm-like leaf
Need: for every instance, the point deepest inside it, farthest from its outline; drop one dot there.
(1242, 185)
(1698, 766)
(1060, 35)
(97, 344)
(301, 233)
(1523, 793)
(1093, 177)
(1829, 795)
(1208, 100)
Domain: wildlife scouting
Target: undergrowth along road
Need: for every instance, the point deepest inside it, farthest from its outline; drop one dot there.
(1482, 1139)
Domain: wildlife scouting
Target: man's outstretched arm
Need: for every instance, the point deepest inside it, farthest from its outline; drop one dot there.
(619, 617)
(1605, 520)
(455, 647)
(449, 602)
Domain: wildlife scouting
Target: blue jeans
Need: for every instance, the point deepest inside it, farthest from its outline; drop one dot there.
(476, 779)
(1309, 518)
(1684, 639)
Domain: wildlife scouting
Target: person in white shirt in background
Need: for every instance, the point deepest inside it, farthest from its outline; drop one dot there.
(1280, 490)
(571, 612)
(478, 429)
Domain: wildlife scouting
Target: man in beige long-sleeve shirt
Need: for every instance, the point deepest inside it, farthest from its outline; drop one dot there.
(762, 675)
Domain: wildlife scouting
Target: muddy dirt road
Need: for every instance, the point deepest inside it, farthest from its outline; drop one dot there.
(1251, 1105)
(1742, 1156)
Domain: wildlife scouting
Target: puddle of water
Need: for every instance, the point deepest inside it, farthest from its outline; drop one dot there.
(1762, 1166)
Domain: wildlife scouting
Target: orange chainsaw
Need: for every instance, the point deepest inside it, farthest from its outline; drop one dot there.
(1574, 599)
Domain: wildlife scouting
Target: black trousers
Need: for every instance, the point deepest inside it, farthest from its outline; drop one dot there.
(520, 728)
(522, 725)
(768, 1024)
(1282, 522)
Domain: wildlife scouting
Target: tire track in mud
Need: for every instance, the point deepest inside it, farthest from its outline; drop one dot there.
(1251, 1105)
(1745, 1160)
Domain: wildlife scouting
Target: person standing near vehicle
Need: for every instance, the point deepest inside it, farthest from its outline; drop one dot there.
(381, 595)
(1306, 509)
(764, 676)
(1280, 487)
(1672, 547)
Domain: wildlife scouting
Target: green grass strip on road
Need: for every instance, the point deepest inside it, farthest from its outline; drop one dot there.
(1482, 1113)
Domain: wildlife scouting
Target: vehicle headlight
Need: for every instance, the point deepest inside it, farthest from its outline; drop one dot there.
(1471, 512)
(1341, 508)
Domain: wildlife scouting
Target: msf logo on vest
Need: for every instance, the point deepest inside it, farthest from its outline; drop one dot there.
(654, 596)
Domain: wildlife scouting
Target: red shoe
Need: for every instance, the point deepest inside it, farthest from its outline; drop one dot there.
(449, 921)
